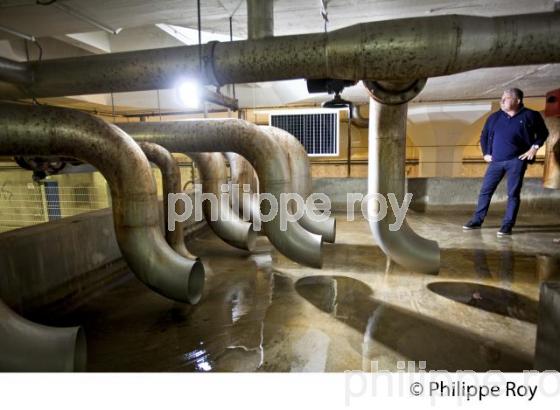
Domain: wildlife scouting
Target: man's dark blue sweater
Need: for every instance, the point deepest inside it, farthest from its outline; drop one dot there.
(506, 137)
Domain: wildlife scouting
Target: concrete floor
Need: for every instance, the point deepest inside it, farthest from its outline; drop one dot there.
(262, 312)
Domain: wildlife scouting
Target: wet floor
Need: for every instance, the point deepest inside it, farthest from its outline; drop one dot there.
(262, 312)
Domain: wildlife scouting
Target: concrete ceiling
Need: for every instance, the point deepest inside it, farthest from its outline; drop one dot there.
(64, 34)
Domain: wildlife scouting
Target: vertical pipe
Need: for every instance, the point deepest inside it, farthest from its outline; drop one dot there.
(260, 19)
(386, 175)
(171, 184)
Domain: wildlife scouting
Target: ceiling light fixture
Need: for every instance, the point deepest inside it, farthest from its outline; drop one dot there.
(189, 93)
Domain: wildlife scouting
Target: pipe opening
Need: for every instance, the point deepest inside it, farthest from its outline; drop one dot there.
(251, 239)
(195, 284)
(80, 351)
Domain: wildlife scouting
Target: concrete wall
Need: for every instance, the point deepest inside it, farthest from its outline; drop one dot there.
(61, 262)
(445, 193)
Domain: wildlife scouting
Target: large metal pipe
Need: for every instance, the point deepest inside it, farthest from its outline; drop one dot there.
(171, 184)
(14, 72)
(386, 175)
(30, 347)
(260, 19)
(244, 181)
(229, 135)
(300, 170)
(42, 131)
(227, 225)
(391, 50)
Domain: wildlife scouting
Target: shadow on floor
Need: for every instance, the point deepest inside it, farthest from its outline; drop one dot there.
(416, 337)
(489, 298)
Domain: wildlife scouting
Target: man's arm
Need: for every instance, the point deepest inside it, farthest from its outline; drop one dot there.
(541, 134)
(485, 140)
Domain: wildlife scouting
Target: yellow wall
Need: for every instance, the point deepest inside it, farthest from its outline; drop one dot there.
(454, 153)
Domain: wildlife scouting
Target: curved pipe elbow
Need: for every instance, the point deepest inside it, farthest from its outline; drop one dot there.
(300, 170)
(290, 238)
(225, 223)
(386, 176)
(43, 131)
(266, 157)
(159, 266)
(30, 347)
(406, 247)
(327, 228)
(171, 184)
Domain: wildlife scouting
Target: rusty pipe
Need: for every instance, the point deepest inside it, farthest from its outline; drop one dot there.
(42, 130)
(230, 135)
(30, 347)
(171, 184)
(227, 225)
(300, 170)
(393, 50)
(386, 176)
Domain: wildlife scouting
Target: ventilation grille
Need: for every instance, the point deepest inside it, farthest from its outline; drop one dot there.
(317, 130)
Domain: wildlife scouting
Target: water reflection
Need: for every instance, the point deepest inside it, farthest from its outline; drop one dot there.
(503, 264)
(199, 359)
(396, 333)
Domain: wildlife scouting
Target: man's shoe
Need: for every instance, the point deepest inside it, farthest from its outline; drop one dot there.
(504, 231)
(472, 225)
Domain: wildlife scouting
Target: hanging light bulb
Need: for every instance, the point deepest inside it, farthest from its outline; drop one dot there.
(190, 93)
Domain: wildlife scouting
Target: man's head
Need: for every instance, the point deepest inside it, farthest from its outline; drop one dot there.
(512, 100)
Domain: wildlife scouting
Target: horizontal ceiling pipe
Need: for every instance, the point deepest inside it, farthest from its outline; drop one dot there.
(244, 180)
(31, 347)
(14, 72)
(41, 130)
(171, 184)
(394, 50)
(300, 170)
(230, 135)
(226, 224)
(386, 176)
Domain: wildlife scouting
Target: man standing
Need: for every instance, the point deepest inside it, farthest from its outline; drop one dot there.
(509, 140)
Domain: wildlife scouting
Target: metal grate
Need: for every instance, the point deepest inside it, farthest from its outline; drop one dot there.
(30, 204)
(317, 130)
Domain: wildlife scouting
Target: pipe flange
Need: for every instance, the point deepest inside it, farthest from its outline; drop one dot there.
(208, 63)
(394, 96)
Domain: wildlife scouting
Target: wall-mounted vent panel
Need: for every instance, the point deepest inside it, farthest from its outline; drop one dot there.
(317, 130)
